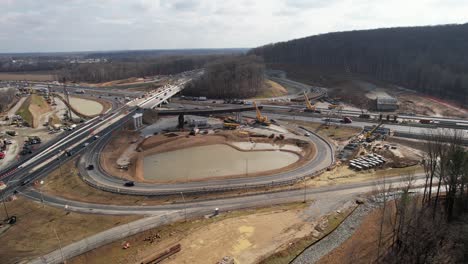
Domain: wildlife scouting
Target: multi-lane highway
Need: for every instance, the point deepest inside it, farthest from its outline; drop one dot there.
(22, 173)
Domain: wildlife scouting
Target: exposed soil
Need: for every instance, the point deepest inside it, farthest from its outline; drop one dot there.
(246, 235)
(272, 89)
(426, 105)
(38, 107)
(36, 76)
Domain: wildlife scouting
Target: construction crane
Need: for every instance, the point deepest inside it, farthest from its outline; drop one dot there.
(372, 131)
(261, 118)
(67, 98)
(309, 106)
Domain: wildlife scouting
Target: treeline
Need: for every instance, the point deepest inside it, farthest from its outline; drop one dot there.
(7, 97)
(426, 228)
(103, 72)
(230, 77)
(432, 60)
(134, 55)
(6, 65)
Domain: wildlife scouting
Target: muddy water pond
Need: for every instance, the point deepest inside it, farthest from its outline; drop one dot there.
(86, 107)
(212, 161)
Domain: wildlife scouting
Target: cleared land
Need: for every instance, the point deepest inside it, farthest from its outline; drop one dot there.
(247, 235)
(24, 112)
(33, 234)
(38, 107)
(272, 89)
(27, 76)
(333, 132)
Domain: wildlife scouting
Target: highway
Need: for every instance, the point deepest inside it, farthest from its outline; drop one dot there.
(25, 171)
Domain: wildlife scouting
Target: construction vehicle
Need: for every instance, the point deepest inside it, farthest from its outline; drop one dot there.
(309, 106)
(425, 121)
(369, 134)
(230, 123)
(332, 106)
(261, 119)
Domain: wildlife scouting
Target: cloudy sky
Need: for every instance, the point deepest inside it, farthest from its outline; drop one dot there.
(76, 25)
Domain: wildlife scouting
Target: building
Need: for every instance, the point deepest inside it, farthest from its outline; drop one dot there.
(386, 103)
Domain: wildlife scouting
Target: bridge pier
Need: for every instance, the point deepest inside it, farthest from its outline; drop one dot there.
(137, 120)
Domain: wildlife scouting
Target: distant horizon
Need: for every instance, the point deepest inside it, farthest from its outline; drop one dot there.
(116, 51)
(107, 25)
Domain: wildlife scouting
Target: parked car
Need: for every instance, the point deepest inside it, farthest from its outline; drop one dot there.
(129, 184)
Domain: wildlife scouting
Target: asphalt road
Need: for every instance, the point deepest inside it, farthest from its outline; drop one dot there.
(324, 158)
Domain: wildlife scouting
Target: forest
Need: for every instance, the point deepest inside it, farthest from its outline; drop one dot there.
(103, 72)
(230, 77)
(430, 59)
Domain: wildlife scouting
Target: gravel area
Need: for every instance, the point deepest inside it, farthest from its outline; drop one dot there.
(335, 239)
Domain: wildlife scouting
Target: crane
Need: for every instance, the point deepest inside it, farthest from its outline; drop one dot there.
(261, 118)
(309, 106)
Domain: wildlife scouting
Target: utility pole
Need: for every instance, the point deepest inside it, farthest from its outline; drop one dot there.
(185, 206)
(67, 98)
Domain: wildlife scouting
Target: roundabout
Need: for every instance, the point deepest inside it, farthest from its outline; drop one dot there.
(174, 163)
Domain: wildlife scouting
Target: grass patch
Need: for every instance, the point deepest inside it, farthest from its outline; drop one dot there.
(272, 89)
(38, 100)
(33, 234)
(288, 254)
(24, 112)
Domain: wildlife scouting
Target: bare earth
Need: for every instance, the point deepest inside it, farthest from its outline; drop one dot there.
(246, 235)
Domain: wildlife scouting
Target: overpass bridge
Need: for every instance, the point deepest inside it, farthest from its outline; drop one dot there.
(201, 112)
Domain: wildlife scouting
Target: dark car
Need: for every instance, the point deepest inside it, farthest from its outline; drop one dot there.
(25, 182)
(90, 167)
(129, 184)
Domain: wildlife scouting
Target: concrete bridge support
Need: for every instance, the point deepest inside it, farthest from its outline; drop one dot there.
(137, 120)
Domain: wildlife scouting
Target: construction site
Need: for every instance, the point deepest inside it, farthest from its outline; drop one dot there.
(274, 175)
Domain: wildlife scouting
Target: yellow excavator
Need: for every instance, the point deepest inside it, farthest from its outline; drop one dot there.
(309, 106)
(261, 119)
(230, 123)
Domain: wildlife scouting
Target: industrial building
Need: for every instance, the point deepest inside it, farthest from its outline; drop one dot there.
(386, 103)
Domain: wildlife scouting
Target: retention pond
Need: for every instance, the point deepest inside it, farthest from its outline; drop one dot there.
(213, 161)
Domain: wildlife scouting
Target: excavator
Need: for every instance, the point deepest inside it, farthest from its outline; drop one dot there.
(309, 106)
(261, 119)
(230, 123)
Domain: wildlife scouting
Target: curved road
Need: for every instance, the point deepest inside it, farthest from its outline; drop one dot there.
(99, 178)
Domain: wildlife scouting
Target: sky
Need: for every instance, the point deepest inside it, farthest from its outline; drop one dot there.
(83, 25)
